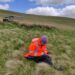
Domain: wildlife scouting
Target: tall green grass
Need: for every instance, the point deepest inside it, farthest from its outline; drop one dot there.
(61, 43)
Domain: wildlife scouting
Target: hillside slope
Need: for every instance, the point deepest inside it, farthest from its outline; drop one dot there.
(14, 41)
(59, 22)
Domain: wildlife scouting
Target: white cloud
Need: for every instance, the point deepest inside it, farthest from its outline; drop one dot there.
(43, 11)
(6, 0)
(50, 2)
(5, 6)
(68, 11)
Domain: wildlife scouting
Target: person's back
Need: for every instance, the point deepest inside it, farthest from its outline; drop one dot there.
(36, 49)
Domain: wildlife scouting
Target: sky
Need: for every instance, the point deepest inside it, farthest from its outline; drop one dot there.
(64, 8)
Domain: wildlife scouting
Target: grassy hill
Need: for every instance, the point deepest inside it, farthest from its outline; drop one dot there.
(59, 22)
(15, 38)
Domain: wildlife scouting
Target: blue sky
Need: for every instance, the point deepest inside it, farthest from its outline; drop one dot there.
(41, 7)
(21, 5)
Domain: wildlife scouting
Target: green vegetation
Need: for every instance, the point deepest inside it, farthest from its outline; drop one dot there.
(15, 38)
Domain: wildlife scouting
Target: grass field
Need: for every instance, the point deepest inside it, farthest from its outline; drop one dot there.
(14, 41)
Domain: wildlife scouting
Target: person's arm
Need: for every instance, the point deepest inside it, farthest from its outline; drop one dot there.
(44, 48)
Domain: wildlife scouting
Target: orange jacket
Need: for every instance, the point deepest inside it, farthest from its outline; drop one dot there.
(35, 48)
